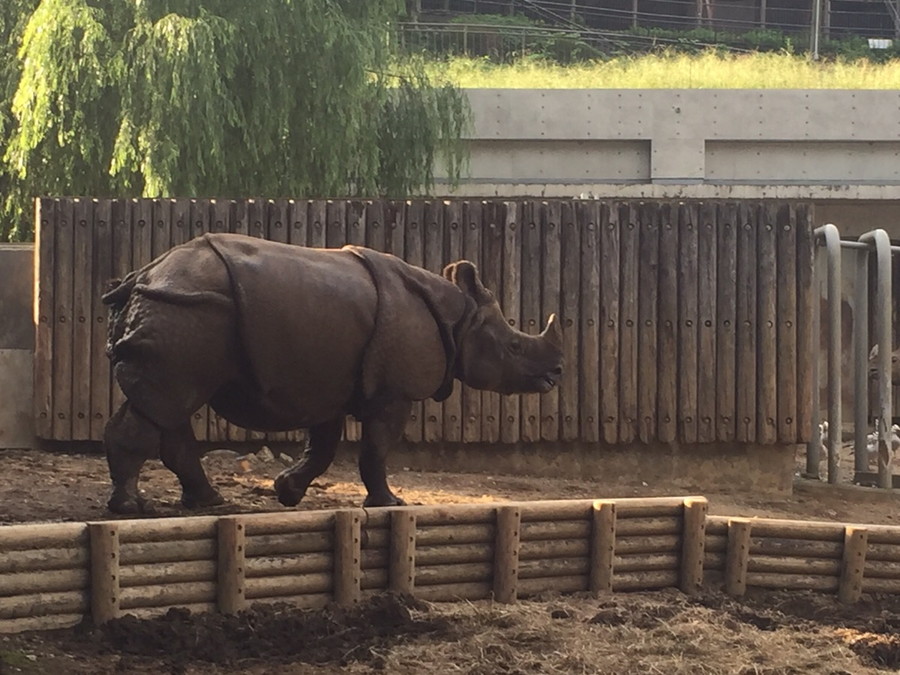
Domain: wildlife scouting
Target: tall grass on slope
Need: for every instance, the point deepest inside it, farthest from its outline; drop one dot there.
(707, 70)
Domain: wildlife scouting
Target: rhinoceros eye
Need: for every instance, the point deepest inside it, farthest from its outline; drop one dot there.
(515, 347)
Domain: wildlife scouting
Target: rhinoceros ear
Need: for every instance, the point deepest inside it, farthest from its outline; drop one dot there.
(465, 275)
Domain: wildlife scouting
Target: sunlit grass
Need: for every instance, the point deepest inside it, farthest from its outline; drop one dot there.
(708, 70)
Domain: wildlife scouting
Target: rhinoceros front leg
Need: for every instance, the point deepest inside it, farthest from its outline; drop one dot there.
(291, 484)
(181, 455)
(381, 431)
(130, 440)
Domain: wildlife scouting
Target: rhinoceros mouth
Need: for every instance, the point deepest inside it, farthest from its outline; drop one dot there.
(545, 383)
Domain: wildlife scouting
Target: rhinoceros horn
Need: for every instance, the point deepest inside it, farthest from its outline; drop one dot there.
(553, 331)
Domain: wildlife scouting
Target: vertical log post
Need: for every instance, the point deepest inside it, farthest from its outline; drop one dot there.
(603, 545)
(230, 573)
(104, 571)
(737, 557)
(506, 553)
(347, 554)
(693, 544)
(402, 564)
(853, 561)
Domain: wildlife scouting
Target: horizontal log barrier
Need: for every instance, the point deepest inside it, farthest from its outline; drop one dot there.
(44, 604)
(167, 594)
(22, 583)
(159, 610)
(167, 551)
(793, 582)
(52, 573)
(478, 590)
(307, 601)
(645, 581)
(781, 565)
(43, 559)
(169, 572)
(33, 537)
(43, 622)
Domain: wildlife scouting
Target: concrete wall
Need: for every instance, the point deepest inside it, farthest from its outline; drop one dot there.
(16, 345)
(840, 149)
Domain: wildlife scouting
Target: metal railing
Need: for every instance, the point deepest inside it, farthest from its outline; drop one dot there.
(830, 245)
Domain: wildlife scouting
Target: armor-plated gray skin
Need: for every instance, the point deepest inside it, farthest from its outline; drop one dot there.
(277, 337)
(895, 365)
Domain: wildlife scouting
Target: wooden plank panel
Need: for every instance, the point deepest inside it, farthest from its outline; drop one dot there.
(511, 303)
(335, 223)
(570, 262)
(142, 232)
(746, 324)
(299, 222)
(688, 321)
(629, 234)
(551, 304)
(726, 298)
(318, 219)
(221, 220)
(493, 218)
(589, 218)
(786, 265)
(257, 218)
(667, 384)
(161, 232)
(83, 263)
(767, 334)
(279, 220)
(648, 293)
(121, 263)
(356, 222)
(181, 221)
(101, 273)
(530, 288)
(376, 231)
(707, 322)
(471, 398)
(415, 255)
(395, 218)
(432, 411)
(200, 224)
(45, 316)
(805, 299)
(454, 230)
(609, 323)
(62, 330)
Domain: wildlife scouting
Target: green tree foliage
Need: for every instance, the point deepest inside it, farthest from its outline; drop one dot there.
(220, 98)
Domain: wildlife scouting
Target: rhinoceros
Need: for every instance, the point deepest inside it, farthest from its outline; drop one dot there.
(277, 337)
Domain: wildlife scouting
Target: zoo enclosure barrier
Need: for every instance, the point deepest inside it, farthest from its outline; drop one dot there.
(57, 575)
(831, 245)
(684, 321)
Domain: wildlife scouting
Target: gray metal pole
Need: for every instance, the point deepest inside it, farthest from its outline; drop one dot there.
(835, 424)
(861, 364)
(814, 446)
(817, 22)
(883, 327)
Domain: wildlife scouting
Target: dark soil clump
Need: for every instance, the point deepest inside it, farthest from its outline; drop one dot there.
(276, 633)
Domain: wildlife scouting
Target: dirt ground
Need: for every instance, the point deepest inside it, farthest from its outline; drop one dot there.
(623, 634)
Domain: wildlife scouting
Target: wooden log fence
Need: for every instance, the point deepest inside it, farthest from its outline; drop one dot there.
(666, 306)
(57, 575)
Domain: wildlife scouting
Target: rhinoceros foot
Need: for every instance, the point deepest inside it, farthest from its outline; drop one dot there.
(212, 498)
(128, 504)
(389, 499)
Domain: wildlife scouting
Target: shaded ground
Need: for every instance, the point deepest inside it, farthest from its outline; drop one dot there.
(42, 486)
(625, 634)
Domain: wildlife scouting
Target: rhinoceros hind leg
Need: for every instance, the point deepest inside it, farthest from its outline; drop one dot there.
(130, 440)
(292, 483)
(181, 455)
(381, 430)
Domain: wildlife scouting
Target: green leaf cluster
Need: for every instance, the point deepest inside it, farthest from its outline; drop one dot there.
(217, 98)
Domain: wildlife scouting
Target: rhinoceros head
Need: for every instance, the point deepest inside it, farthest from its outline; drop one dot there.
(494, 356)
(895, 365)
